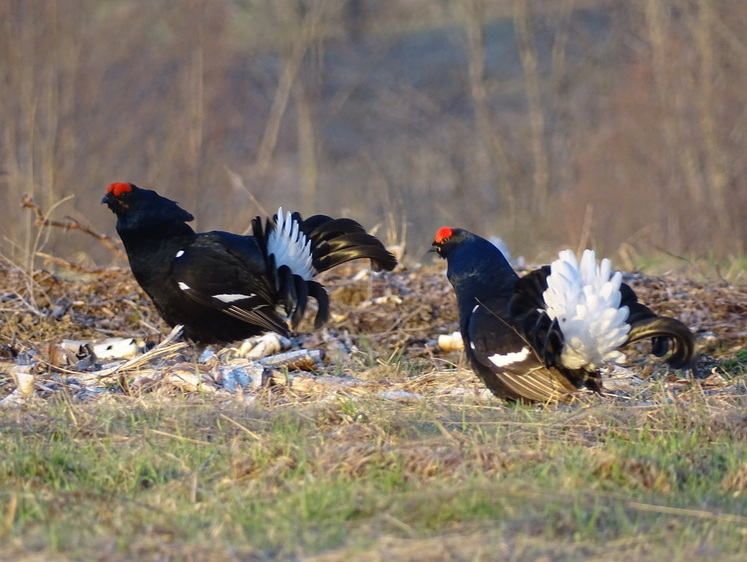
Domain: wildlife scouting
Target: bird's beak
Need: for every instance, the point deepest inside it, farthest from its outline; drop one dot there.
(115, 204)
(435, 249)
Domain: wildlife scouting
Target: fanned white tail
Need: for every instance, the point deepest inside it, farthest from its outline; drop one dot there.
(585, 300)
(290, 246)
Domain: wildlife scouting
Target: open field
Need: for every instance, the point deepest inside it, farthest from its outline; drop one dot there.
(393, 450)
(615, 125)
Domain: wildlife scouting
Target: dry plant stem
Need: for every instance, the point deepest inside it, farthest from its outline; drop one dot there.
(26, 298)
(68, 264)
(697, 513)
(672, 91)
(307, 29)
(242, 428)
(474, 16)
(716, 166)
(491, 145)
(69, 224)
(533, 92)
(238, 183)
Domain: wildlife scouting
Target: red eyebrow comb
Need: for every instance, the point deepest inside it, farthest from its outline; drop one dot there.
(119, 188)
(443, 233)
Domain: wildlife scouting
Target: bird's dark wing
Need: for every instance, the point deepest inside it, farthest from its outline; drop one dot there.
(529, 290)
(506, 360)
(227, 272)
(527, 309)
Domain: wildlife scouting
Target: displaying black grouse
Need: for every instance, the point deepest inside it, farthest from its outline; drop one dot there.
(543, 336)
(223, 287)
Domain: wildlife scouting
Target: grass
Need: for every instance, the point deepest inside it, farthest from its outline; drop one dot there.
(192, 478)
(737, 364)
(710, 269)
(656, 469)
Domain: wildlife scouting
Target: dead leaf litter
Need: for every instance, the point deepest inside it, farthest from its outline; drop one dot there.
(392, 336)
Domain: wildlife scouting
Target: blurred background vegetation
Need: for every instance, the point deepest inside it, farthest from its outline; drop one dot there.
(609, 123)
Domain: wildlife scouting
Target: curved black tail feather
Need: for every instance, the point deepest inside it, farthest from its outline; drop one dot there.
(336, 241)
(333, 242)
(664, 330)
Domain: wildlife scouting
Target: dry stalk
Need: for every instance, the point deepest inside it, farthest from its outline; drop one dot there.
(697, 513)
(533, 91)
(68, 264)
(69, 224)
(242, 428)
(179, 437)
(307, 30)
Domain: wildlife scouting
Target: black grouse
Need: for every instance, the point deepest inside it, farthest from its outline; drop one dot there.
(223, 287)
(543, 336)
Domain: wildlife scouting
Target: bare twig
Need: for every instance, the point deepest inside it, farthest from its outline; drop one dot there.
(70, 224)
(238, 182)
(68, 264)
(586, 230)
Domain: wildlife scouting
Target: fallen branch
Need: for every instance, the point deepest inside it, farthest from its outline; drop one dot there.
(70, 224)
(69, 265)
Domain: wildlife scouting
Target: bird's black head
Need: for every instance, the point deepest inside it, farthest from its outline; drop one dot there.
(138, 208)
(476, 268)
(447, 239)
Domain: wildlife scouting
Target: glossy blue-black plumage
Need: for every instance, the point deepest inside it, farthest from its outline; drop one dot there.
(511, 342)
(222, 286)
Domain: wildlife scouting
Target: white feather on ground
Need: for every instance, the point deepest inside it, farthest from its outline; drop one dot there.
(290, 246)
(585, 300)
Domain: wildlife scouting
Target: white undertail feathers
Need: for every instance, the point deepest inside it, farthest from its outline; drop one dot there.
(290, 246)
(585, 300)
